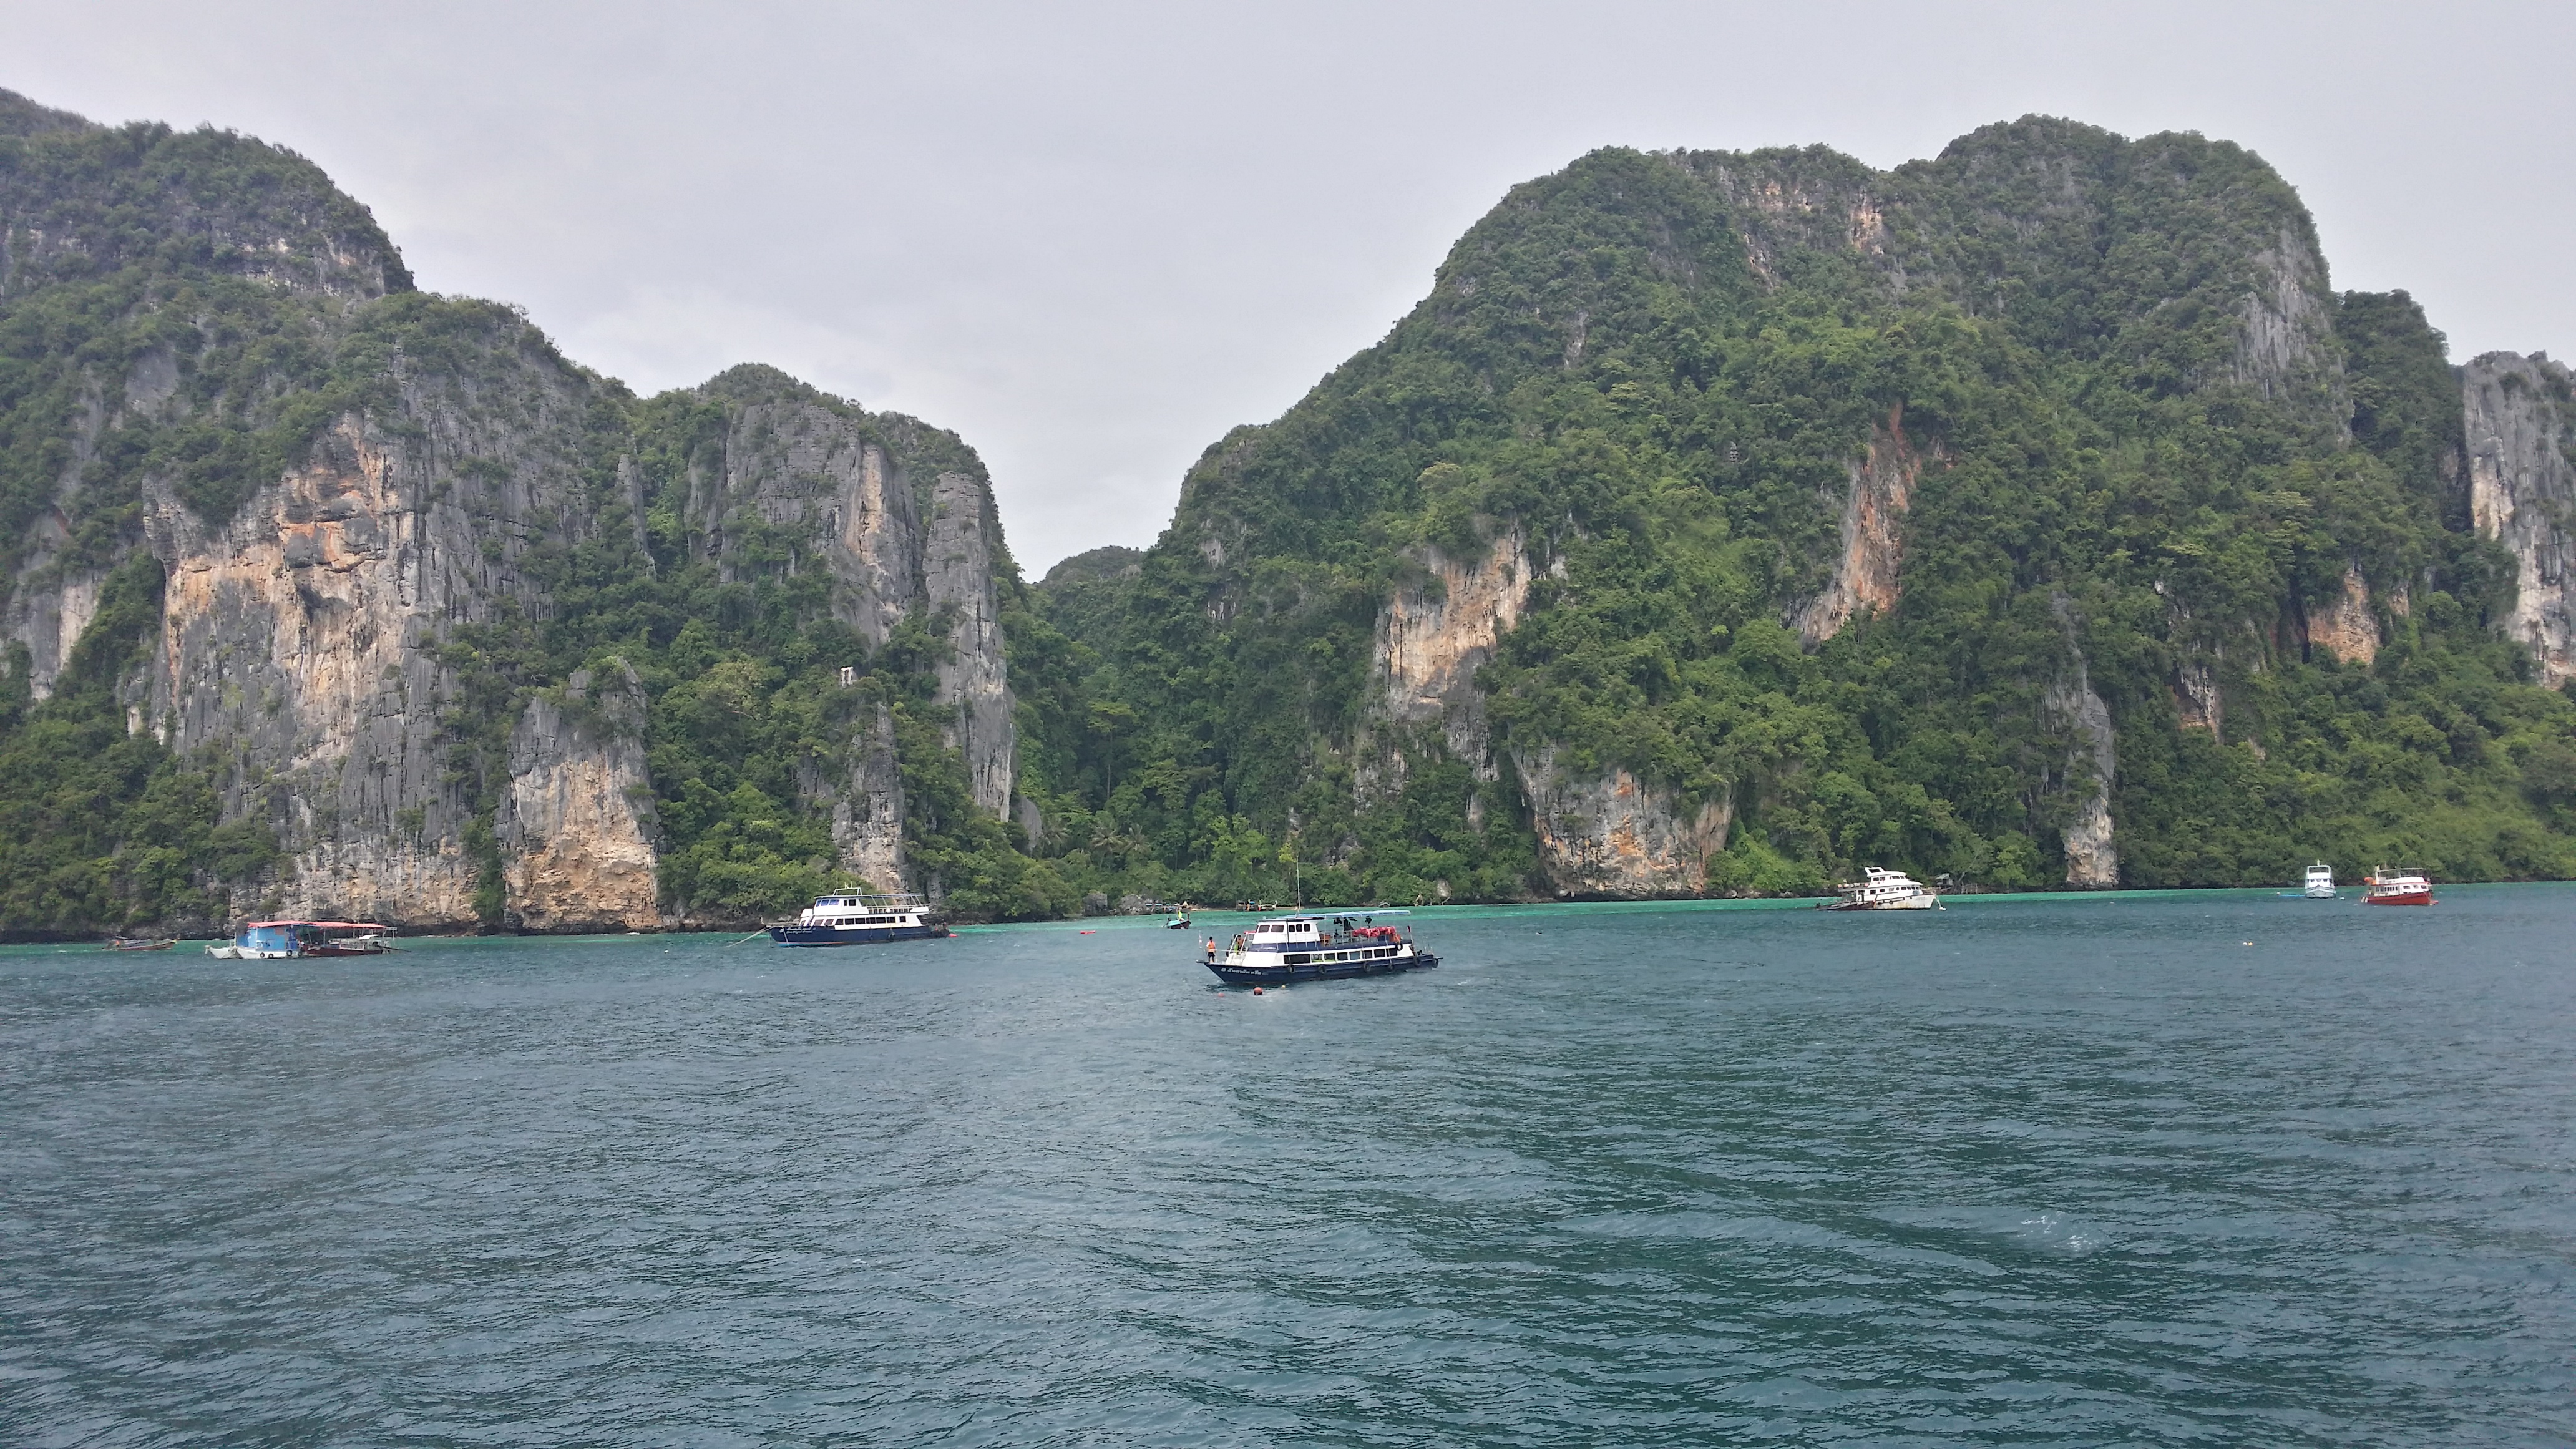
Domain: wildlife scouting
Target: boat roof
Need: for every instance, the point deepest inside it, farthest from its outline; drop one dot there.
(326, 925)
(1351, 915)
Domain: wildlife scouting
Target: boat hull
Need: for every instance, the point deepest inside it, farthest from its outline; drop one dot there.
(851, 936)
(2399, 898)
(1281, 973)
(1910, 903)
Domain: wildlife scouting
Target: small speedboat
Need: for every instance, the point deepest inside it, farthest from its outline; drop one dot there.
(1317, 948)
(1180, 920)
(1882, 890)
(2404, 886)
(133, 943)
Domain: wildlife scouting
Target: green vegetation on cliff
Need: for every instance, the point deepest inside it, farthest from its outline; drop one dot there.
(2120, 395)
(193, 312)
(1837, 517)
(99, 825)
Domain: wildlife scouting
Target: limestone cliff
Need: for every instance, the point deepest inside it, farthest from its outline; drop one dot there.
(2345, 627)
(801, 484)
(2092, 861)
(299, 638)
(1882, 483)
(1432, 637)
(1604, 833)
(806, 481)
(575, 827)
(373, 523)
(865, 796)
(958, 570)
(2521, 430)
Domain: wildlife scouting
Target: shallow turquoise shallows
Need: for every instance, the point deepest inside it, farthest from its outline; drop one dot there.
(2209, 1169)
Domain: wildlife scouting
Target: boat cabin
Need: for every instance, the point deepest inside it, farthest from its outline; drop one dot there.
(311, 938)
(1306, 933)
(852, 912)
(1280, 935)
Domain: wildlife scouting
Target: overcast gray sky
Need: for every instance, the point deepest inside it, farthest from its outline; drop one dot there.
(1091, 237)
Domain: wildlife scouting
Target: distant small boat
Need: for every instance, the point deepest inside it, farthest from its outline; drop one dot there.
(2319, 886)
(1882, 890)
(1180, 920)
(129, 943)
(2404, 886)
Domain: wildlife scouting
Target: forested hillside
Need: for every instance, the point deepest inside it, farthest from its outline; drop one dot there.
(1720, 523)
(1724, 522)
(327, 595)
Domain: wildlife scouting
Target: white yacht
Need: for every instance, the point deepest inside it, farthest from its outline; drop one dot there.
(2320, 884)
(1882, 890)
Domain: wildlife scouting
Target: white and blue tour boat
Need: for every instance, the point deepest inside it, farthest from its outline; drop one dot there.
(1316, 948)
(859, 920)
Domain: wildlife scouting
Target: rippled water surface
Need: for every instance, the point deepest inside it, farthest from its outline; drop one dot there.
(2208, 1169)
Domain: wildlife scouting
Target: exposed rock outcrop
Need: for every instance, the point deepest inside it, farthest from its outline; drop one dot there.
(2196, 696)
(2092, 862)
(298, 638)
(576, 826)
(2521, 429)
(959, 558)
(2285, 330)
(1433, 636)
(1606, 833)
(1882, 484)
(809, 481)
(865, 798)
(2345, 627)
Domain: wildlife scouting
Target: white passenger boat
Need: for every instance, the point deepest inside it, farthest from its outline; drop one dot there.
(2320, 884)
(1317, 948)
(1882, 890)
(859, 920)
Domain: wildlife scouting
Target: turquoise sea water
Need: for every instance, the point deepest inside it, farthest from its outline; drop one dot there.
(2186, 1169)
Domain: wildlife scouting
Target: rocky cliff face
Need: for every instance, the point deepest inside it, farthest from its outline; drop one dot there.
(1433, 636)
(803, 485)
(576, 826)
(2346, 628)
(2521, 430)
(958, 570)
(299, 639)
(2092, 860)
(865, 797)
(309, 648)
(1605, 834)
(1882, 483)
(807, 483)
